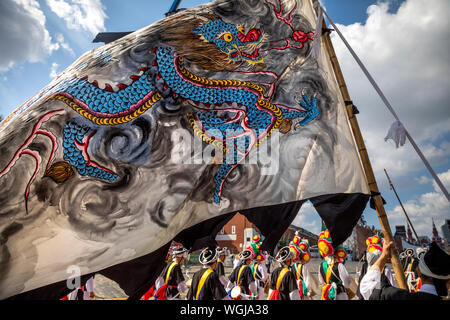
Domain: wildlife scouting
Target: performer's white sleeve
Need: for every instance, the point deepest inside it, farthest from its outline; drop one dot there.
(253, 287)
(321, 280)
(370, 281)
(294, 295)
(307, 279)
(90, 285)
(390, 276)
(182, 287)
(229, 286)
(344, 276)
(89, 288)
(223, 280)
(158, 283)
(73, 295)
(263, 270)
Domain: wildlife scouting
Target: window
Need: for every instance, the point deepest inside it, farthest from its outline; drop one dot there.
(233, 229)
(222, 231)
(248, 239)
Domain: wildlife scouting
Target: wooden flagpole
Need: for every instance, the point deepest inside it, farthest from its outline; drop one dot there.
(373, 187)
(401, 204)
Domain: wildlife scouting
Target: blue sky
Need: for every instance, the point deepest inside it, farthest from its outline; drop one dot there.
(400, 41)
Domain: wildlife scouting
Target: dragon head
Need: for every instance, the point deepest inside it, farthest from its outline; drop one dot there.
(232, 40)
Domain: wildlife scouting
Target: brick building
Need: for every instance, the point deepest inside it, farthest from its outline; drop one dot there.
(238, 233)
(289, 234)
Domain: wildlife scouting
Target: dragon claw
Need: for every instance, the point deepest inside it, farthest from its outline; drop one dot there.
(310, 105)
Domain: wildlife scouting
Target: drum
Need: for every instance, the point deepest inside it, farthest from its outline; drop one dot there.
(236, 292)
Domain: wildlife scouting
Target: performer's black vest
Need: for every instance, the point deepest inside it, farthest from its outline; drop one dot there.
(334, 277)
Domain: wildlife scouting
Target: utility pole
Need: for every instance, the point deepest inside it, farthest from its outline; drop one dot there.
(401, 204)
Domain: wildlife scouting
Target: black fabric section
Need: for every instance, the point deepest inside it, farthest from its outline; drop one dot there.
(287, 285)
(220, 269)
(392, 293)
(203, 234)
(135, 277)
(340, 213)
(437, 260)
(212, 288)
(54, 291)
(175, 278)
(273, 221)
(244, 280)
(372, 201)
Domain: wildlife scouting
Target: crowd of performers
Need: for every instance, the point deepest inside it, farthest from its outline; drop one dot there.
(251, 279)
(427, 274)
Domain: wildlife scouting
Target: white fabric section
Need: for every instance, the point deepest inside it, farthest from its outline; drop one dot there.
(223, 280)
(158, 283)
(341, 171)
(428, 288)
(319, 276)
(307, 279)
(182, 287)
(263, 271)
(315, 50)
(72, 295)
(236, 263)
(390, 275)
(370, 282)
(89, 288)
(229, 286)
(90, 284)
(373, 256)
(252, 286)
(388, 105)
(397, 133)
(294, 295)
(343, 275)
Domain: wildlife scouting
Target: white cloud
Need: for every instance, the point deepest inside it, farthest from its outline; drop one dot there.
(61, 42)
(23, 35)
(53, 72)
(308, 218)
(427, 206)
(86, 15)
(407, 54)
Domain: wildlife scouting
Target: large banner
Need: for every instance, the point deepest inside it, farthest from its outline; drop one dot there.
(165, 134)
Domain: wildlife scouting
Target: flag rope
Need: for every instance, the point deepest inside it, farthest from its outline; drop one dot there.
(388, 105)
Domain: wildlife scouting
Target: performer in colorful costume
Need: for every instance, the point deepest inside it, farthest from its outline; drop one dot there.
(434, 269)
(241, 281)
(206, 284)
(220, 269)
(258, 268)
(300, 248)
(333, 276)
(283, 285)
(374, 251)
(420, 252)
(171, 283)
